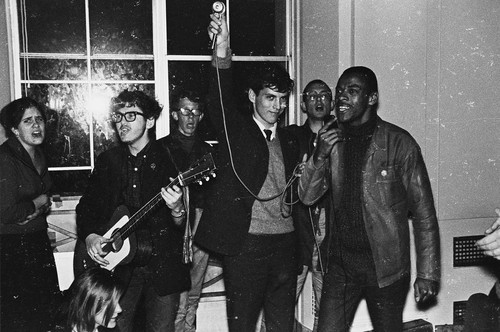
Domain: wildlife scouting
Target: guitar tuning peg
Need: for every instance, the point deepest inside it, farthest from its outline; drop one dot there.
(199, 182)
(214, 175)
(206, 178)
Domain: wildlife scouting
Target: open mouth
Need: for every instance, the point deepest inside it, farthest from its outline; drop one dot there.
(124, 131)
(343, 108)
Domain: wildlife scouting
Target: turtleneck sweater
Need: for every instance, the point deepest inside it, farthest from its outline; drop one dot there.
(352, 247)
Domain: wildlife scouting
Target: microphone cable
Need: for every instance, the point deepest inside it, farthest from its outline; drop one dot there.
(295, 175)
(316, 243)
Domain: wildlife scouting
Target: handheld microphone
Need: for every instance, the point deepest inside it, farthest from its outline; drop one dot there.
(218, 9)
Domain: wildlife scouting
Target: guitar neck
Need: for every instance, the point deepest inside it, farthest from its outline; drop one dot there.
(137, 217)
(201, 169)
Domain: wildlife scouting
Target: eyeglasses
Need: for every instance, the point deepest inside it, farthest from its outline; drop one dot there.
(117, 117)
(315, 96)
(188, 112)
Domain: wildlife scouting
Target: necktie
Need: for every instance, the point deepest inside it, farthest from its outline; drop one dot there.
(268, 134)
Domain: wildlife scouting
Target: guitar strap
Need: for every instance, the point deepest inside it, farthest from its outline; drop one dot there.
(187, 245)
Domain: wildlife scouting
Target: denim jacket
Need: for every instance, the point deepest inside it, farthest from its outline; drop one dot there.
(396, 188)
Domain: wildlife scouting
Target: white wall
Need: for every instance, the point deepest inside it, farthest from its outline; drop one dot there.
(438, 64)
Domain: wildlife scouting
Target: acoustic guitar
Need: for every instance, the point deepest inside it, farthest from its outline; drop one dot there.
(127, 245)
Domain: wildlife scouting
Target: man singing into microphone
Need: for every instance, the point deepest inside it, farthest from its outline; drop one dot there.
(377, 180)
(245, 219)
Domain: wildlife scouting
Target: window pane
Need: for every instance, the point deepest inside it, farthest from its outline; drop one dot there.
(103, 130)
(53, 26)
(192, 74)
(121, 27)
(69, 183)
(187, 22)
(55, 69)
(67, 139)
(258, 28)
(122, 70)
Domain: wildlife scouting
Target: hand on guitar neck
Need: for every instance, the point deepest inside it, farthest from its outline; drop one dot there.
(173, 198)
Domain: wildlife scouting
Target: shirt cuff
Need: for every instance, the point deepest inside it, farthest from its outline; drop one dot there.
(222, 63)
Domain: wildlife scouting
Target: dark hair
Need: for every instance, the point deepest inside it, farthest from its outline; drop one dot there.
(181, 93)
(313, 82)
(91, 292)
(366, 74)
(148, 105)
(12, 114)
(270, 75)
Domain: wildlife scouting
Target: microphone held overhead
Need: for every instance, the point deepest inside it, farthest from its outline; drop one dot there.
(218, 9)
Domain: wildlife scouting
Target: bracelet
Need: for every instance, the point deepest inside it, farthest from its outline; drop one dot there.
(181, 214)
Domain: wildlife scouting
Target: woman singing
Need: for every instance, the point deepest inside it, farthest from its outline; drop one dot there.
(29, 285)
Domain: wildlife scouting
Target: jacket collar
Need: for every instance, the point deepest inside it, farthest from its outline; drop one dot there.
(20, 152)
(379, 141)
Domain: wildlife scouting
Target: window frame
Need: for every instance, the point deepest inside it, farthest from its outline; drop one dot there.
(161, 60)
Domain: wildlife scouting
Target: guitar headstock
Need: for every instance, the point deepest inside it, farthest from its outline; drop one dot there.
(202, 169)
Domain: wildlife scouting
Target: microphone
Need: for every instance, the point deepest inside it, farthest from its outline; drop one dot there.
(218, 9)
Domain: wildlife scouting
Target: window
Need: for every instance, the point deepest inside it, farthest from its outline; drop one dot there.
(74, 55)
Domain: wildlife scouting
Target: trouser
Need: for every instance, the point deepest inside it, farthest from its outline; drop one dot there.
(317, 285)
(189, 300)
(482, 314)
(159, 310)
(316, 272)
(340, 299)
(262, 275)
(29, 292)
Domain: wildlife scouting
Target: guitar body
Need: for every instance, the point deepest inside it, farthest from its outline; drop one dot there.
(136, 248)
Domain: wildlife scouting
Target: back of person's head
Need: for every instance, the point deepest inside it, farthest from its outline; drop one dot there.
(186, 93)
(92, 292)
(366, 74)
(149, 106)
(12, 114)
(271, 75)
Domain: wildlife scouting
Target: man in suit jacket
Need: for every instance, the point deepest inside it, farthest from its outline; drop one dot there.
(246, 219)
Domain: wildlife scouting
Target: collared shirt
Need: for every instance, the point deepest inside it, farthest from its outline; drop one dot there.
(134, 171)
(261, 126)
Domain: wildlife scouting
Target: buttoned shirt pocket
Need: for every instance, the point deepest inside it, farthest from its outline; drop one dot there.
(391, 189)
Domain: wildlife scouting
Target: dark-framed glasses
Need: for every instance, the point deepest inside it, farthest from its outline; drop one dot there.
(188, 112)
(129, 116)
(315, 96)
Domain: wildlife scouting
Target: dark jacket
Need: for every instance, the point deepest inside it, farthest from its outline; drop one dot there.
(396, 187)
(20, 183)
(305, 213)
(226, 220)
(183, 159)
(104, 195)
